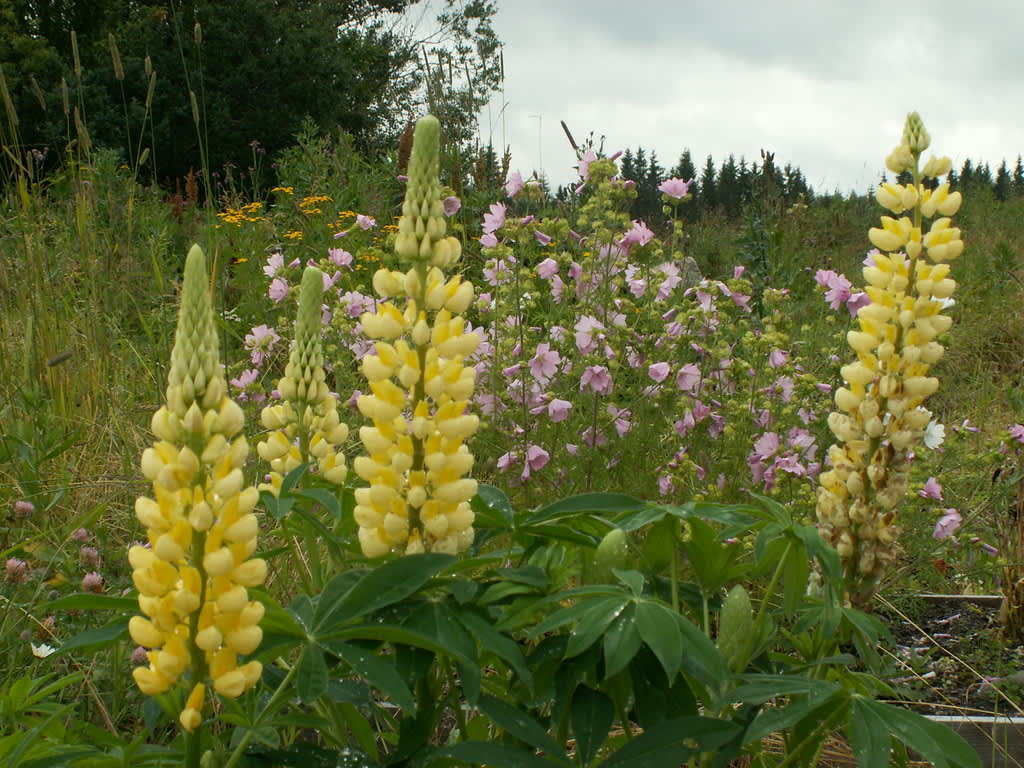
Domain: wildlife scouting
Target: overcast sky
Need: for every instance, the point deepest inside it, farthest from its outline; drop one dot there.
(824, 85)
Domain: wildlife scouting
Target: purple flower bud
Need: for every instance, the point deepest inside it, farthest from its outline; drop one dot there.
(89, 556)
(16, 571)
(92, 582)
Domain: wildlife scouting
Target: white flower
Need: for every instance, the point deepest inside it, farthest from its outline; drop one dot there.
(934, 435)
(42, 650)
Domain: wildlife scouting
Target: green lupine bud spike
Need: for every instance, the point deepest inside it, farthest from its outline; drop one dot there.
(736, 623)
(305, 365)
(914, 134)
(195, 358)
(423, 221)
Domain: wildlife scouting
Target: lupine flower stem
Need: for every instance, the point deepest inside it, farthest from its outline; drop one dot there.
(880, 416)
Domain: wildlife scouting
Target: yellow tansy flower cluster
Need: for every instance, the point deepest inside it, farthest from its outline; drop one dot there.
(248, 212)
(881, 417)
(305, 426)
(310, 205)
(418, 494)
(193, 576)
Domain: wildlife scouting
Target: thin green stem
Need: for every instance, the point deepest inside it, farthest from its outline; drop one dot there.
(275, 701)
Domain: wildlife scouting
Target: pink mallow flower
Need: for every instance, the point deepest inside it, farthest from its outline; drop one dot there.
(515, 184)
(639, 234)
(245, 378)
(597, 379)
(260, 342)
(688, 378)
(840, 291)
(659, 371)
(340, 257)
(544, 363)
(365, 222)
(584, 167)
(1017, 433)
(494, 219)
(278, 289)
(541, 237)
(587, 328)
(675, 188)
(932, 490)
(274, 263)
(558, 410)
(947, 524)
(452, 205)
(547, 268)
(536, 459)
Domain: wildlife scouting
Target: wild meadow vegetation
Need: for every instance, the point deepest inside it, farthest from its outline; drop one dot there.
(367, 457)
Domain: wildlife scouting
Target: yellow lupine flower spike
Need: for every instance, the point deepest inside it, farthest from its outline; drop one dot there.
(417, 494)
(199, 523)
(305, 426)
(881, 417)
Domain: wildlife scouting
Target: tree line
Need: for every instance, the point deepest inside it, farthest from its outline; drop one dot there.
(189, 80)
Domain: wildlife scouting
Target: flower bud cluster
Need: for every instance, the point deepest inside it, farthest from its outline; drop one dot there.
(193, 575)
(304, 426)
(880, 417)
(417, 497)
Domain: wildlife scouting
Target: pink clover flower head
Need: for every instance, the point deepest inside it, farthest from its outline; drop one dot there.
(340, 257)
(90, 557)
(541, 237)
(494, 219)
(92, 582)
(515, 184)
(80, 536)
(584, 167)
(544, 364)
(488, 240)
(23, 509)
(947, 524)
(659, 371)
(1017, 433)
(597, 379)
(639, 234)
(675, 188)
(452, 205)
(139, 656)
(931, 490)
(278, 289)
(547, 268)
(16, 570)
(365, 222)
